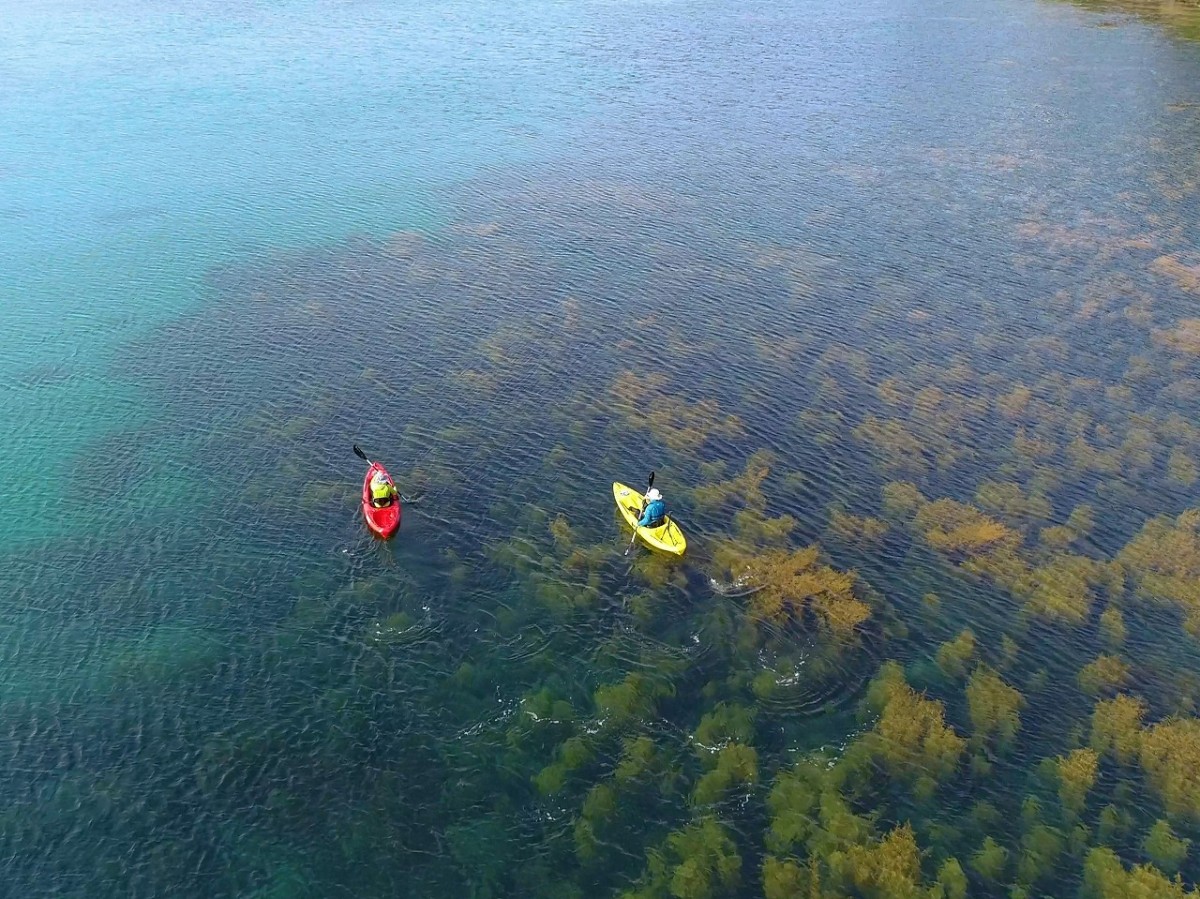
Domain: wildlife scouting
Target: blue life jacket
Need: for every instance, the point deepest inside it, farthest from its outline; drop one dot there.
(656, 511)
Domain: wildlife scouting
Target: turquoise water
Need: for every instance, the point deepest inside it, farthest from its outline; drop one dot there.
(145, 147)
(518, 252)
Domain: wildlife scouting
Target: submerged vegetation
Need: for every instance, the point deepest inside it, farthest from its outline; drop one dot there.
(1182, 17)
(962, 658)
(989, 571)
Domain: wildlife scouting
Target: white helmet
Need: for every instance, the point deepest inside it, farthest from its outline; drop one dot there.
(653, 494)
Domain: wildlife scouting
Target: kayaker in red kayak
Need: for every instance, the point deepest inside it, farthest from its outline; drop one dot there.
(380, 498)
(383, 491)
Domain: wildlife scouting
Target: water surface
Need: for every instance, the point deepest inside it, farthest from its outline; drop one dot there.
(912, 283)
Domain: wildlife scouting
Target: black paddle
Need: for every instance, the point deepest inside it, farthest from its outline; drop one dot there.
(649, 484)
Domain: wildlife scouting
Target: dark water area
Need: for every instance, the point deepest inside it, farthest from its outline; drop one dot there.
(897, 301)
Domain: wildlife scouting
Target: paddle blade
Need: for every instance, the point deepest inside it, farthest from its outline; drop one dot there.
(358, 452)
(650, 483)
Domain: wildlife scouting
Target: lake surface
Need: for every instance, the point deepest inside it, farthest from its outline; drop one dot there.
(898, 301)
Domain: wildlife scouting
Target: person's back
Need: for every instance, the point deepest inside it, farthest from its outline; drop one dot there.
(382, 490)
(655, 512)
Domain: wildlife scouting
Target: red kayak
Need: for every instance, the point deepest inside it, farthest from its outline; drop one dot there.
(385, 521)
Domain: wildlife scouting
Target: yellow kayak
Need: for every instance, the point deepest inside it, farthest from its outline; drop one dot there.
(667, 538)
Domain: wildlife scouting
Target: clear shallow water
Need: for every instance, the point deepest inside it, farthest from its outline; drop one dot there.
(453, 234)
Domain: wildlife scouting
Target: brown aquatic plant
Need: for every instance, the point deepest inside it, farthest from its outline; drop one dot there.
(646, 401)
(564, 536)
(951, 880)
(1076, 776)
(808, 809)
(1181, 467)
(600, 804)
(1185, 275)
(1032, 448)
(726, 722)
(1104, 877)
(1170, 755)
(795, 580)
(1117, 727)
(990, 860)
(632, 699)
(784, 878)
(743, 491)
(1011, 503)
(889, 868)
(699, 862)
(994, 707)
(754, 529)
(1163, 848)
(1041, 848)
(910, 737)
(1063, 588)
(1105, 672)
(1112, 626)
(1113, 825)
(1082, 519)
(1057, 538)
(1084, 456)
(953, 655)
(1014, 403)
(572, 755)
(735, 765)
(793, 804)
(892, 392)
(640, 758)
(862, 532)
(1163, 559)
(961, 531)
(902, 500)
(896, 448)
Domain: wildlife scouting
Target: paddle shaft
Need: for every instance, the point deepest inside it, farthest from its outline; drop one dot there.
(636, 526)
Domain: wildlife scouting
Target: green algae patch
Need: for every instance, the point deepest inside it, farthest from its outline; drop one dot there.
(1164, 849)
(911, 736)
(954, 655)
(647, 402)
(794, 582)
(994, 708)
(1117, 727)
(1170, 755)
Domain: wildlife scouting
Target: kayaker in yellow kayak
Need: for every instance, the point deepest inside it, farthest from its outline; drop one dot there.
(383, 491)
(655, 510)
(648, 517)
